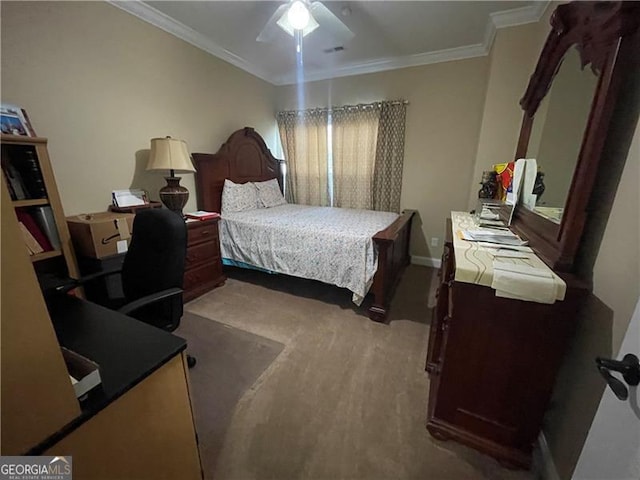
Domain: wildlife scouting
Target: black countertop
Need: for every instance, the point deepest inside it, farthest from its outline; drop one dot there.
(126, 350)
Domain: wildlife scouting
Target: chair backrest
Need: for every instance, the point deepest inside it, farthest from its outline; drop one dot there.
(155, 261)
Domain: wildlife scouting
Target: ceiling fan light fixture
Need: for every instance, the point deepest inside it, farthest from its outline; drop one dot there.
(298, 15)
(290, 27)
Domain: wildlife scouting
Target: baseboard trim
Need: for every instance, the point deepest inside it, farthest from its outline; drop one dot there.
(545, 465)
(426, 261)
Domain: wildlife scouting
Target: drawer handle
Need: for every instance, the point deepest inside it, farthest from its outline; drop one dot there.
(445, 323)
(204, 232)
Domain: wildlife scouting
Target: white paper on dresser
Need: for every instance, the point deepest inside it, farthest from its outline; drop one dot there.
(523, 282)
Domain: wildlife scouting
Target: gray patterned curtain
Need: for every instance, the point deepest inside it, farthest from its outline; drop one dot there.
(304, 140)
(389, 157)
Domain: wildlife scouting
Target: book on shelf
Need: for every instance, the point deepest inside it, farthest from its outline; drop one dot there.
(31, 174)
(47, 223)
(13, 181)
(29, 240)
(23, 174)
(202, 215)
(30, 224)
(15, 121)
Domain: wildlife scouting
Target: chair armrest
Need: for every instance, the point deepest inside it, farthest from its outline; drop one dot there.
(149, 299)
(78, 282)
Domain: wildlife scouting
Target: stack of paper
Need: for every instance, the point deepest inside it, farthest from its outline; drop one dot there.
(487, 214)
(202, 215)
(502, 237)
(504, 253)
(129, 198)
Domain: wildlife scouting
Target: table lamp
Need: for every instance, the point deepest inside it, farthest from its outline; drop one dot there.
(171, 154)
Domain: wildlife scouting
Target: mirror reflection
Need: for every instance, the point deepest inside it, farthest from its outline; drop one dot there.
(557, 132)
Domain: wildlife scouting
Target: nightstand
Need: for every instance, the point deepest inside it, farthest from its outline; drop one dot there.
(203, 269)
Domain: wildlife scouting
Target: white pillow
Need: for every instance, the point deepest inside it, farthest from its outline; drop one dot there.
(269, 194)
(239, 197)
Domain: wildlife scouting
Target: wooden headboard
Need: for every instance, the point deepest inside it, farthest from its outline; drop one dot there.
(244, 157)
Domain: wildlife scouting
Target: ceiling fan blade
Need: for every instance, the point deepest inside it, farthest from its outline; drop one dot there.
(332, 28)
(271, 29)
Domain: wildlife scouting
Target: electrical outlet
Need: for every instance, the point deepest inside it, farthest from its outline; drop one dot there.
(434, 241)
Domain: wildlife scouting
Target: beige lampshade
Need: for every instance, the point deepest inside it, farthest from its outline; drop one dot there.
(169, 154)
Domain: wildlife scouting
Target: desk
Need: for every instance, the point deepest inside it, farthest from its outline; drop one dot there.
(143, 407)
(140, 425)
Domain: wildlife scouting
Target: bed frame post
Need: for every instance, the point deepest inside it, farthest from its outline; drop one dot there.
(392, 244)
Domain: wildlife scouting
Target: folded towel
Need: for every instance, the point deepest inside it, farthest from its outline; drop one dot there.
(523, 282)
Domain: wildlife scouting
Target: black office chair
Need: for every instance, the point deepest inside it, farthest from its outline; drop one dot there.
(152, 272)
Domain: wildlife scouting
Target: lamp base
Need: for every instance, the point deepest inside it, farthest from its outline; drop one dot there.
(173, 195)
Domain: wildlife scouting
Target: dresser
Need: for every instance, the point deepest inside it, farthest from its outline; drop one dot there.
(203, 270)
(492, 361)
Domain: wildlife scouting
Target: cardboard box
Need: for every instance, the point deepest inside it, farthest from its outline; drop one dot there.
(99, 235)
(84, 374)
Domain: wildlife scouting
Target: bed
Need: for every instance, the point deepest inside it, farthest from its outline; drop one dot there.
(244, 157)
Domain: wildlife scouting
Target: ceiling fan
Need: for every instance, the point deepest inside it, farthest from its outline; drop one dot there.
(306, 16)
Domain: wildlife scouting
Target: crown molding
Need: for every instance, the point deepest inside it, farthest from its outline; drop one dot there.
(519, 16)
(390, 63)
(496, 20)
(177, 29)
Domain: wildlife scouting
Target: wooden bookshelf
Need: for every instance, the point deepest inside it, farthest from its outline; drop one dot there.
(36, 257)
(36, 394)
(31, 202)
(29, 158)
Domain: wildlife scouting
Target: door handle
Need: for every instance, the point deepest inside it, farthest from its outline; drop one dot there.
(629, 367)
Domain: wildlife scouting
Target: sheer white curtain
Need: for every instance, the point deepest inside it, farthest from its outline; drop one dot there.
(304, 141)
(354, 141)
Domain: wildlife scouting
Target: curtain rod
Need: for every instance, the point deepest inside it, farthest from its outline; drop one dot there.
(346, 107)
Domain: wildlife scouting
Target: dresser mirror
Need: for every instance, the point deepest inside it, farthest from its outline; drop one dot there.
(570, 108)
(557, 131)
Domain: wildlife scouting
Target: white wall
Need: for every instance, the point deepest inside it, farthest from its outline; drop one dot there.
(100, 83)
(443, 122)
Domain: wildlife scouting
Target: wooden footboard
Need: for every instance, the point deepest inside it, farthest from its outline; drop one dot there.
(393, 256)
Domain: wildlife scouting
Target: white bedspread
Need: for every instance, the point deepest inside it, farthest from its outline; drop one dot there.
(332, 245)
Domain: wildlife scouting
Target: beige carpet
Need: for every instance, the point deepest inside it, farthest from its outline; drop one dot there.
(347, 397)
(229, 361)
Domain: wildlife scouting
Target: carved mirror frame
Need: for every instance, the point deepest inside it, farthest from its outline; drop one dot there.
(607, 37)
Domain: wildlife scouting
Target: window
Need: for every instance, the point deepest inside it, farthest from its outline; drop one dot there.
(345, 156)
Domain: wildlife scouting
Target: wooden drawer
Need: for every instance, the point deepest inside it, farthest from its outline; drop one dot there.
(201, 232)
(201, 279)
(203, 270)
(202, 253)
